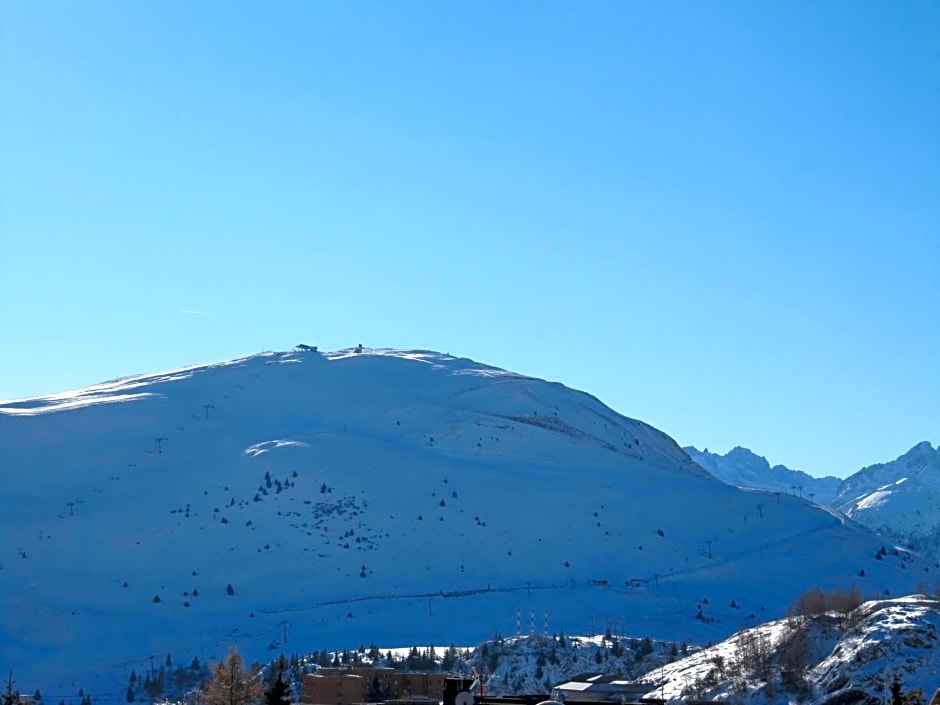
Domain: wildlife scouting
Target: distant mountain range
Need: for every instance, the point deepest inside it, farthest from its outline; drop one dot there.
(298, 500)
(899, 499)
(742, 468)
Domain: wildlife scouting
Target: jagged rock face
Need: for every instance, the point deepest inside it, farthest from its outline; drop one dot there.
(389, 496)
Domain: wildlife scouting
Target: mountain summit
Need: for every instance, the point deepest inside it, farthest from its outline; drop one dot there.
(900, 498)
(743, 468)
(290, 501)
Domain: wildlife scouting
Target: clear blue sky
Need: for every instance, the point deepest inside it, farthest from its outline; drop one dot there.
(721, 218)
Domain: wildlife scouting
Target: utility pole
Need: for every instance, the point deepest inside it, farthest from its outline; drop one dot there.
(207, 407)
(160, 443)
(284, 624)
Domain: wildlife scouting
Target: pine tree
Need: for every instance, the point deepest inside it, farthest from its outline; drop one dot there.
(232, 684)
(376, 694)
(10, 696)
(896, 697)
(279, 692)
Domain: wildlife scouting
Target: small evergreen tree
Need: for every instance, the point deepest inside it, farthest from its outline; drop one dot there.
(10, 696)
(279, 692)
(376, 693)
(896, 697)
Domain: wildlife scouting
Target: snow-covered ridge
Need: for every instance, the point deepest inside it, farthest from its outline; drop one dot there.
(124, 389)
(111, 392)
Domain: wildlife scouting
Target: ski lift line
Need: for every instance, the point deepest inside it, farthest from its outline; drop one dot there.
(453, 594)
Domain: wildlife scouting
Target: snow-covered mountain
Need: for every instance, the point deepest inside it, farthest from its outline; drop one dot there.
(900, 499)
(742, 468)
(375, 495)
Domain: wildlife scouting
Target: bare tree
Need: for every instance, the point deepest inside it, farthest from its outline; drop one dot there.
(232, 684)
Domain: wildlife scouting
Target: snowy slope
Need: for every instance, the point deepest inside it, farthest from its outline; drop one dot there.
(900, 499)
(742, 468)
(395, 496)
(823, 659)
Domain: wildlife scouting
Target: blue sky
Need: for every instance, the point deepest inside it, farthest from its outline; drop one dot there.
(720, 218)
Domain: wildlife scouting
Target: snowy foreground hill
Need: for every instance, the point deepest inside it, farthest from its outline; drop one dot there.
(827, 658)
(391, 496)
